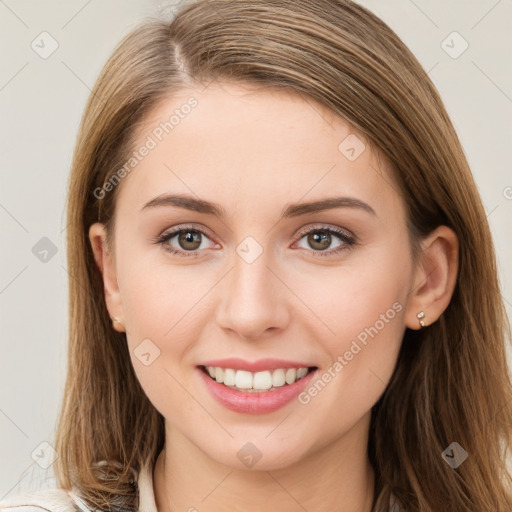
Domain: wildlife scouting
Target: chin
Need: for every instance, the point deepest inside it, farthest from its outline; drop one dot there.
(257, 453)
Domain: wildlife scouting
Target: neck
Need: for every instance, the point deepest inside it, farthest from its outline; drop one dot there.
(337, 478)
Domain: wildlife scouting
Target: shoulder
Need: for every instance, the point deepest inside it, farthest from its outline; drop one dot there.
(49, 500)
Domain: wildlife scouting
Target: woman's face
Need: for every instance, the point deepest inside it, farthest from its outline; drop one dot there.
(303, 262)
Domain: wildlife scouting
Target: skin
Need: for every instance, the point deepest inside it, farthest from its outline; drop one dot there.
(254, 151)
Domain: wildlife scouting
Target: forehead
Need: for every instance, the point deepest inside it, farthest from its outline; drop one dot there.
(252, 146)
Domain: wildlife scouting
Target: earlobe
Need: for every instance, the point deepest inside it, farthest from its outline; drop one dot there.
(106, 265)
(435, 279)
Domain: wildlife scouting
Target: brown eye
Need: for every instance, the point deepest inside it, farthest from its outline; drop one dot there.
(319, 240)
(189, 240)
(186, 241)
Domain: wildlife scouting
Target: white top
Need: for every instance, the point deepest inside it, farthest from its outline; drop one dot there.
(146, 493)
(60, 500)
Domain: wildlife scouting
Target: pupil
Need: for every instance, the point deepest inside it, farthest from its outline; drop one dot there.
(322, 238)
(191, 237)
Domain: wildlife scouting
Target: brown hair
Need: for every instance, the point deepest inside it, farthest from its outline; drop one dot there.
(451, 381)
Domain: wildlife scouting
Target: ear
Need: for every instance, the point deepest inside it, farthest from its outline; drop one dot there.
(435, 277)
(106, 264)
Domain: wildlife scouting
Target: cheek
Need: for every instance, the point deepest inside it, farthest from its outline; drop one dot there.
(162, 317)
(159, 299)
(162, 385)
(366, 294)
(365, 309)
(373, 306)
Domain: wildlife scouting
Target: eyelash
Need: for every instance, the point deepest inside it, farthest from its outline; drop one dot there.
(348, 241)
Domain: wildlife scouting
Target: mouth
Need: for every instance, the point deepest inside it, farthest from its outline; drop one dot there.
(255, 387)
(256, 382)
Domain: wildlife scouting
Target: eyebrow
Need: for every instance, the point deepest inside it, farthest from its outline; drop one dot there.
(293, 210)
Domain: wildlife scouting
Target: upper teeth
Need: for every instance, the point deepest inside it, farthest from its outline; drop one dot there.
(267, 379)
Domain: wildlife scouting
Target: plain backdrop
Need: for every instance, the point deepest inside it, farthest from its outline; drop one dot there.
(41, 101)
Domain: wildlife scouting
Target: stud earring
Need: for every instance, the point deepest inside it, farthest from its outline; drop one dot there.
(116, 320)
(421, 316)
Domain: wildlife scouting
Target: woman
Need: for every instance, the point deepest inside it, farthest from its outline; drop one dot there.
(284, 291)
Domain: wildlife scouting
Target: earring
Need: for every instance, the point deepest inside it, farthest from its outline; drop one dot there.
(421, 316)
(114, 320)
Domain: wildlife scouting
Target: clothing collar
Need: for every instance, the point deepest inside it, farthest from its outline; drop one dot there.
(146, 492)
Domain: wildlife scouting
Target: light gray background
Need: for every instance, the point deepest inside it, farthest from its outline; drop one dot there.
(41, 101)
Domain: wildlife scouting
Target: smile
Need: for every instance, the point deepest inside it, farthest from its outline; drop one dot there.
(267, 380)
(255, 388)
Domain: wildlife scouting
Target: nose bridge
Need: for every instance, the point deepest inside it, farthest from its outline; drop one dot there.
(253, 299)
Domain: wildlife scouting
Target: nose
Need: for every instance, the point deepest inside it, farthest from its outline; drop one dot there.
(254, 300)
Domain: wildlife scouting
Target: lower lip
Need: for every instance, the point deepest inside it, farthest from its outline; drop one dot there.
(255, 402)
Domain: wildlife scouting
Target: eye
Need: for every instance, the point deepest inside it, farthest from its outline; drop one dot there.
(320, 238)
(188, 239)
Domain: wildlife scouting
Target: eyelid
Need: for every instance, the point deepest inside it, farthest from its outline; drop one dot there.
(177, 229)
(326, 227)
(347, 238)
(168, 234)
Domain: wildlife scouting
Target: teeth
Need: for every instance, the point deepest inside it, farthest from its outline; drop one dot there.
(229, 377)
(262, 380)
(278, 378)
(243, 379)
(301, 372)
(258, 381)
(291, 375)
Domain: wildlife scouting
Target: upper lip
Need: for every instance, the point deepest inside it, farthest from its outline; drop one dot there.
(254, 366)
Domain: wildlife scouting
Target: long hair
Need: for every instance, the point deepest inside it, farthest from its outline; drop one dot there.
(451, 382)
